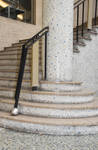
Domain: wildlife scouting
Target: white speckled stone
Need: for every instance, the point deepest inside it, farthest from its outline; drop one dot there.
(48, 129)
(85, 64)
(60, 87)
(46, 112)
(44, 98)
(58, 15)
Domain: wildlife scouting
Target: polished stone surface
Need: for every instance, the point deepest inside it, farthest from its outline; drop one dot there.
(10, 140)
(58, 15)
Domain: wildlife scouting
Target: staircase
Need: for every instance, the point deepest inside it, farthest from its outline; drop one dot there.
(57, 108)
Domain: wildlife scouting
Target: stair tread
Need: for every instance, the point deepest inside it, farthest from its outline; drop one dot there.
(73, 93)
(12, 70)
(89, 121)
(12, 79)
(84, 106)
(4, 64)
(5, 54)
(42, 82)
(60, 82)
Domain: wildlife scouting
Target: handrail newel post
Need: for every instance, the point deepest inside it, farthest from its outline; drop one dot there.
(45, 56)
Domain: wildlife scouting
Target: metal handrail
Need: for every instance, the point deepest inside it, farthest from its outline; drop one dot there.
(79, 2)
(25, 48)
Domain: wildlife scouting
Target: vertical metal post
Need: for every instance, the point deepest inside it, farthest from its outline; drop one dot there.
(82, 18)
(77, 32)
(9, 9)
(45, 56)
(95, 12)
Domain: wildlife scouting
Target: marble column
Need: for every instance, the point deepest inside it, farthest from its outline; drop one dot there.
(58, 15)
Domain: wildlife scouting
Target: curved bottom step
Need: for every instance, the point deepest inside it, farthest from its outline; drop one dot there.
(49, 126)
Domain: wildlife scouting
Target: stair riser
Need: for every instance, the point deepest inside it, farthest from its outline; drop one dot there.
(49, 98)
(60, 87)
(13, 57)
(21, 43)
(48, 129)
(14, 83)
(9, 75)
(14, 75)
(54, 113)
(27, 67)
(12, 53)
(14, 62)
(13, 48)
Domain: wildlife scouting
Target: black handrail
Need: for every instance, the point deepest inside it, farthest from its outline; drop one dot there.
(79, 2)
(25, 47)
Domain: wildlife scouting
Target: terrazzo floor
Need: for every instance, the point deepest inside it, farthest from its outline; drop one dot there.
(10, 140)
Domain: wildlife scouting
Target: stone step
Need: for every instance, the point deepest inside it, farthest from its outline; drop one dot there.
(60, 86)
(14, 61)
(14, 57)
(18, 47)
(13, 66)
(50, 97)
(13, 73)
(16, 67)
(52, 126)
(44, 85)
(52, 110)
(21, 43)
(11, 48)
(12, 82)
(3, 53)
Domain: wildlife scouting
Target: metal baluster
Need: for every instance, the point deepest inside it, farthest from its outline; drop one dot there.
(83, 19)
(95, 13)
(77, 32)
(45, 55)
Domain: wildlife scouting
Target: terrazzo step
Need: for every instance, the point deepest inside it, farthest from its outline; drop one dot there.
(13, 56)
(50, 97)
(13, 74)
(12, 82)
(24, 40)
(44, 85)
(13, 66)
(3, 53)
(13, 48)
(60, 86)
(16, 67)
(13, 61)
(21, 43)
(51, 126)
(52, 110)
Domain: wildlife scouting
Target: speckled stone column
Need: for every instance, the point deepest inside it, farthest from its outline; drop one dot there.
(58, 15)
